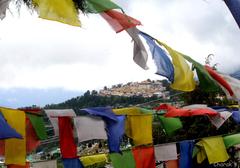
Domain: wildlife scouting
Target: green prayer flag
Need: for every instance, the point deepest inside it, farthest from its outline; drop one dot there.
(99, 6)
(207, 83)
(231, 140)
(38, 125)
(170, 125)
(125, 159)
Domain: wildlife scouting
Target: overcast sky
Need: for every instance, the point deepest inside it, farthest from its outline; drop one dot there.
(37, 54)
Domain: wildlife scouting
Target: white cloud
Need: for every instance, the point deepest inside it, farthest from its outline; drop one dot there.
(36, 53)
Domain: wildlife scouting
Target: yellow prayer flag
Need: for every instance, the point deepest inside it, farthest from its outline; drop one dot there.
(183, 75)
(213, 148)
(58, 10)
(15, 149)
(139, 128)
(93, 159)
(128, 111)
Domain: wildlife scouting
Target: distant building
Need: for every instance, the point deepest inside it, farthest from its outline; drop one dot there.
(145, 88)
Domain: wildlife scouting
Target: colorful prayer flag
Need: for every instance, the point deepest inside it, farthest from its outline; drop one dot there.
(140, 55)
(99, 6)
(15, 149)
(104, 112)
(213, 148)
(6, 131)
(67, 145)
(115, 132)
(165, 152)
(62, 11)
(89, 128)
(135, 125)
(125, 159)
(186, 150)
(38, 125)
(219, 79)
(144, 157)
(183, 76)
(119, 21)
(54, 113)
(72, 163)
(170, 125)
(160, 57)
(206, 82)
(231, 140)
(234, 7)
(32, 141)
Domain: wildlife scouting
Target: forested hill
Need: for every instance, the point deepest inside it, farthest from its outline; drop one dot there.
(94, 99)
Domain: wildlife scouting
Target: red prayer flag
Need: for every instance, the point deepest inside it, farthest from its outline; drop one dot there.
(144, 157)
(2, 147)
(219, 79)
(172, 164)
(119, 21)
(67, 145)
(32, 140)
(175, 112)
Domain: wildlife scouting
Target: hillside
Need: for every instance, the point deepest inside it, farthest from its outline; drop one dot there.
(119, 95)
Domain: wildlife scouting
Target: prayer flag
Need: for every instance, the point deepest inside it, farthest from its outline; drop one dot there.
(72, 163)
(219, 79)
(67, 145)
(165, 152)
(54, 113)
(170, 125)
(235, 86)
(231, 140)
(89, 128)
(62, 11)
(115, 132)
(234, 7)
(206, 82)
(172, 164)
(132, 111)
(15, 149)
(6, 131)
(214, 148)
(183, 76)
(219, 120)
(125, 159)
(94, 160)
(32, 140)
(236, 116)
(135, 125)
(38, 125)
(99, 6)
(144, 157)
(119, 21)
(183, 112)
(104, 112)
(186, 150)
(3, 7)
(160, 57)
(140, 55)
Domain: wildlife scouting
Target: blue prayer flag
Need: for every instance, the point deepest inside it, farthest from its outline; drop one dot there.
(234, 7)
(160, 57)
(104, 112)
(236, 116)
(72, 163)
(6, 131)
(186, 150)
(115, 132)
